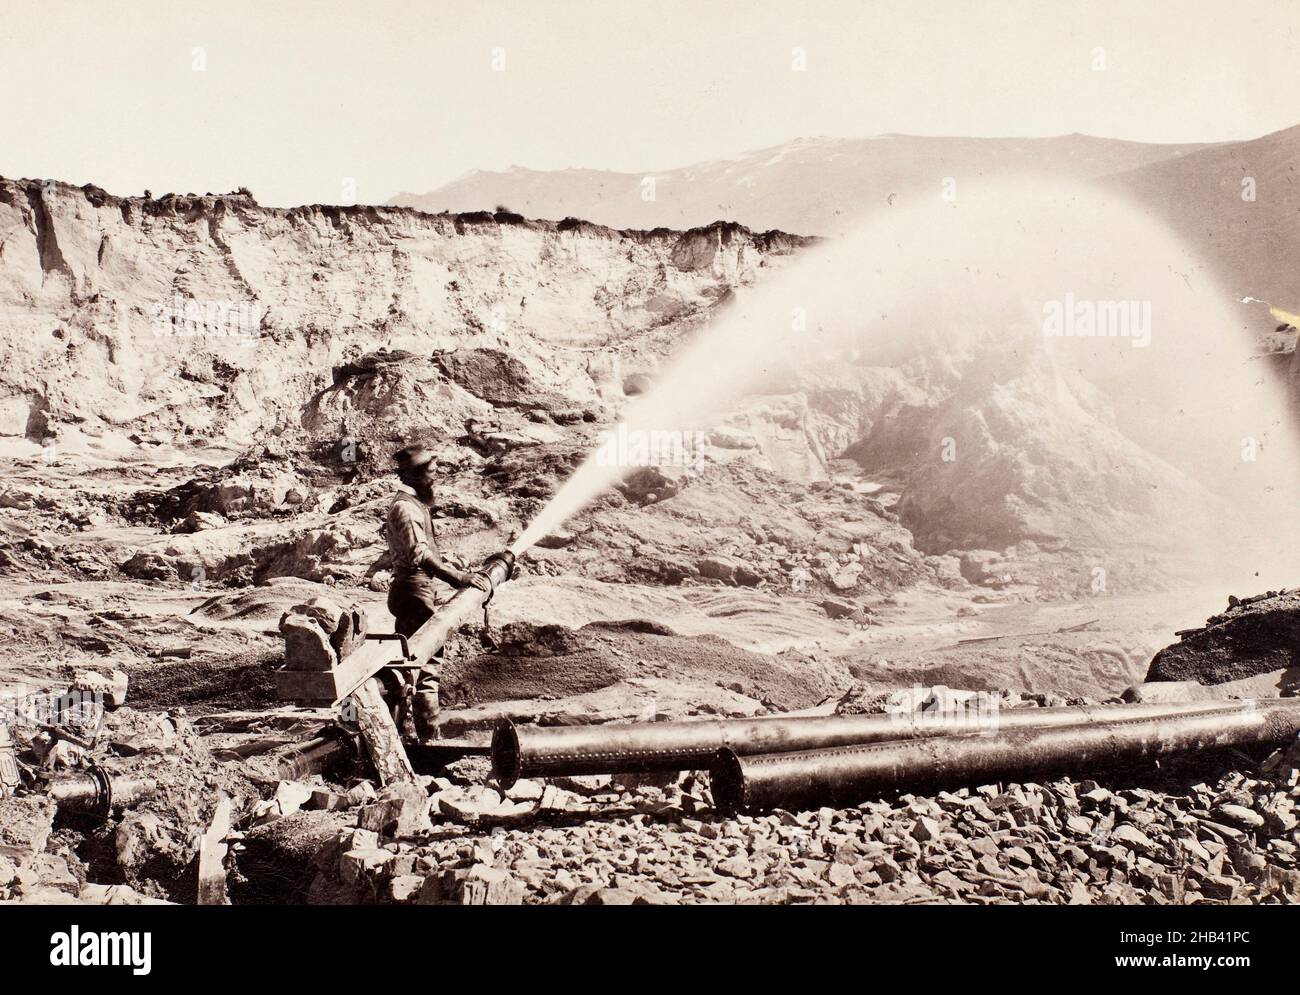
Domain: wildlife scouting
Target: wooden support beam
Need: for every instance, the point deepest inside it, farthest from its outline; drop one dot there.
(380, 734)
(212, 857)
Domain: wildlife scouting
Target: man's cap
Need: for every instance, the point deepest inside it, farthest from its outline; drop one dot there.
(413, 457)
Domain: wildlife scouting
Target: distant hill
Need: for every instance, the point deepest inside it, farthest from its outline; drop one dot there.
(1255, 244)
(810, 186)
(817, 186)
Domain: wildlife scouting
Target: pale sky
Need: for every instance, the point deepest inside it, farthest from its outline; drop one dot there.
(296, 96)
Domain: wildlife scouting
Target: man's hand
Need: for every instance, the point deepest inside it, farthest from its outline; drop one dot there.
(478, 580)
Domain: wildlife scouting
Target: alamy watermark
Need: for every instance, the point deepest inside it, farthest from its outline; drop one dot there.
(77, 710)
(90, 948)
(186, 317)
(942, 707)
(1087, 319)
(659, 447)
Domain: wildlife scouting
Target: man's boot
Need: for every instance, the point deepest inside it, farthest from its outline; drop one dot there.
(425, 713)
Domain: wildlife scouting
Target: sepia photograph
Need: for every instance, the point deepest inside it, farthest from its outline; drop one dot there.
(555, 452)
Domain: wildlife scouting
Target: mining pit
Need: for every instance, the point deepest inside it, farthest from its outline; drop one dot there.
(171, 501)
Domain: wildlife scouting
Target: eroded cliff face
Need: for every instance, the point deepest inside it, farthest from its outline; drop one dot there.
(212, 319)
(293, 350)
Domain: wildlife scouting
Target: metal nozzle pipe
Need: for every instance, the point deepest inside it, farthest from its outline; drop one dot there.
(348, 675)
(852, 774)
(531, 751)
(429, 638)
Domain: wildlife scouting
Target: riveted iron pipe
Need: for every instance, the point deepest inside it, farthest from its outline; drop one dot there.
(333, 747)
(99, 792)
(851, 774)
(621, 748)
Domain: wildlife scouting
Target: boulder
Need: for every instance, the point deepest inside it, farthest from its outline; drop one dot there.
(26, 822)
(198, 521)
(653, 483)
(148, 566)
(479, 884)
(717, 568)
(1254, 636)
(402, 809)
(320, 633)
(111, 688)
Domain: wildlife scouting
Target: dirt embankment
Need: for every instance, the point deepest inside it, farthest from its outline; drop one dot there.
(1255, 635)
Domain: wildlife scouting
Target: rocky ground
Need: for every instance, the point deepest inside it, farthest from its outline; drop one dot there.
(1063, 842)
(1219, 828)
(1211, 828)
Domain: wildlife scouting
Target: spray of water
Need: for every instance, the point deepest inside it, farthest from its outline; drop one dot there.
(941, 281)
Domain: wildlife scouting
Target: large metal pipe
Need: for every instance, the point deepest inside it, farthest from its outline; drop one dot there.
(99, 792)
(429, 638)
(366, 661)
(318, 755)
(532, 751)
(852, 774)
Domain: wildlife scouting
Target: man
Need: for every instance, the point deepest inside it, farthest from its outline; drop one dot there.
(413, 595)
